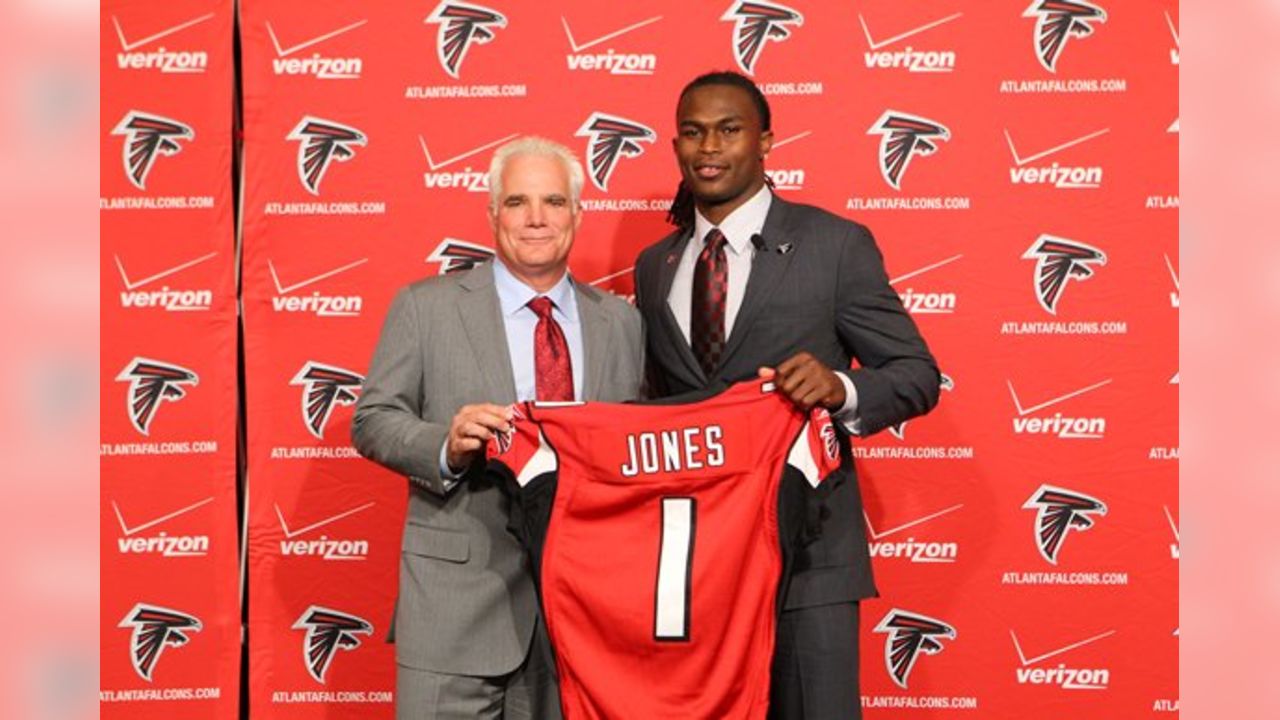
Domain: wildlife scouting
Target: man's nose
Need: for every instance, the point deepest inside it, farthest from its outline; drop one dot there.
(710, 143)
(537, 214)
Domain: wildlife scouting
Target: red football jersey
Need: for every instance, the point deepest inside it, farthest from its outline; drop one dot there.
(655, 531)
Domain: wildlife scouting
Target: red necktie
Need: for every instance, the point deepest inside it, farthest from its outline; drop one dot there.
(710, 290)
(553, 369)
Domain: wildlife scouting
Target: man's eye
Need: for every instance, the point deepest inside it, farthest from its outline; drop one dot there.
(730, 129)
(513, 202)
(689, 133)
(557, 202)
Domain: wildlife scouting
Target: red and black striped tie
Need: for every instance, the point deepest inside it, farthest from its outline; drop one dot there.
(710, 291)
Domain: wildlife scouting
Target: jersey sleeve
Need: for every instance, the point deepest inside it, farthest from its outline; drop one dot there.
(522, 451)
(815, 453)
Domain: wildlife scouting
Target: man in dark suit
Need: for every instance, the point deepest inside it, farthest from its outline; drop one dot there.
(751, 284)
(454, 353)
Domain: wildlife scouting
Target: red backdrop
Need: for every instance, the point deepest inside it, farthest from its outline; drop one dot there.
(366, 134)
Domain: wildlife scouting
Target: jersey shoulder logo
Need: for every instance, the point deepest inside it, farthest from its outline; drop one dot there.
(457, 255)
(754, 24)
(150, 383)
(145, 137)
(1059, 20)
(461, 26)
(1059, 511)
(909, 635)
(609, 138)
(327, 632)
(154, 629)
(322, 142)
(903, 136)
(324, 386)
(1057, 261)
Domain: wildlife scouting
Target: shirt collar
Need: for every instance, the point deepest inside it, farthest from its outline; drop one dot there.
(746, 220)
(514, 295)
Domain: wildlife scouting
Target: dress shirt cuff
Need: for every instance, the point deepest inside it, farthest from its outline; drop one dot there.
(448, 478)
(847, 415)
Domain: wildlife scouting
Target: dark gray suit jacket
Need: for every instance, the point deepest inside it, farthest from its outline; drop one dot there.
(467, 604)
(818, 284)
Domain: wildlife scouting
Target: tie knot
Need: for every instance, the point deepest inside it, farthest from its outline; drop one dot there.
(542, 306)
(714, 239)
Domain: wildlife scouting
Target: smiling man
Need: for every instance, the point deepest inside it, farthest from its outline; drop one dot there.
(750, 284)
(454, 353)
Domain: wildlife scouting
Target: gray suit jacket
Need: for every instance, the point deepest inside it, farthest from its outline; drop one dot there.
(467, 604)
(817, 283)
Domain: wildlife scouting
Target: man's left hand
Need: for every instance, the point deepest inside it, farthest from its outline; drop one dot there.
(807, 382)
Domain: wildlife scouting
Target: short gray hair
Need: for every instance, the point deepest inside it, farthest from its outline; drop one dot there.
(533, 145)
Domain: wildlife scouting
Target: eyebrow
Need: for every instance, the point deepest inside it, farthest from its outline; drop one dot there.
(718, 121)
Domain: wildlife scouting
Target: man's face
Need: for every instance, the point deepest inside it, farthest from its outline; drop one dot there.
(534, 222)
(720, 147)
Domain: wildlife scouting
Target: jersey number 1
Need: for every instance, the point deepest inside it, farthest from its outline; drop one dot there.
(675, 569)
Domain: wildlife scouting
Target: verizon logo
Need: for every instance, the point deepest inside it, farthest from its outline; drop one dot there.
(161, 59)
(908, 58)
(163, 297)
(614, 63)
(1062, 675)
(910, 549)
(927, 303)
(134, 540)
(323, 547)
(319, 66)
(316, 303)
(1064, 427)
(476, 181)
(1065, 177)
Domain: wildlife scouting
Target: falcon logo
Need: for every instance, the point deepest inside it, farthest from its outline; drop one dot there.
(903, 136)
(1058, 20)
(323, 386)
(328, 631)
(457, 255)
(150, 383)
(154, 628)
(899, 430)
(608, 139)
(507, 437)
(830, 441)
(322, 141)
(145, 137)
(1059, 511)
(755, 23)
(1057, 261)
(909, 635)
(461, 25)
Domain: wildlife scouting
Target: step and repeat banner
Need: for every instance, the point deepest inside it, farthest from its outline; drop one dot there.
(1016, 160)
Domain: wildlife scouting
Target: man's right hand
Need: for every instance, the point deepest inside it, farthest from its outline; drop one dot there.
(470, 429)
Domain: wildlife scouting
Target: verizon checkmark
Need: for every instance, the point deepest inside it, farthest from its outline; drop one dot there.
(1031, 661)
(286, 52)
(610, 276)
(925, 269)
(1034, 408)
(135, 284)
(1173, 30)
(785, 141)
(1172, 273)
(919, 521)
(288, 533)
(444, 163)
(603, 38)
(876, 45)
(1172, 525)
(283, 289)
(131, 46)
(1046, 153)
(128, 531)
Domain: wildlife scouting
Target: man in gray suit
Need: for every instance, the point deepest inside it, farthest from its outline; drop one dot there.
(751, 284)
(454, 353)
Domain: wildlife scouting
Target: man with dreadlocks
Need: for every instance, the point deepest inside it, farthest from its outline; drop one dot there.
(750, 284)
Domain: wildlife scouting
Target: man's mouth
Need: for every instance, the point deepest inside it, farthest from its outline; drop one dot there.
(709, 172)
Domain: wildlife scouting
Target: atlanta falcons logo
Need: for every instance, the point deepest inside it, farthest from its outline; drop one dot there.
(755, 23)
(328, 631)
(322, 141)
(1057, 512)
(150, 383)
(909, 635)
(461, 25)
(154, 628)
(1057, 261)
(1058, 20)
(145, 137)
(505, 438)
(827, 431)
(324, 386)
(457, 255)
(899, 430)
(903, 136)
(608, 139)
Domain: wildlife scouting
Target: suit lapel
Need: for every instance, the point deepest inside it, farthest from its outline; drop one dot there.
(595, 340)
(676, 340)
(767, 269)
(481, 317)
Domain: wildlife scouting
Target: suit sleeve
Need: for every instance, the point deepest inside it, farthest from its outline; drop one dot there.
(388, 427)
(898, 378)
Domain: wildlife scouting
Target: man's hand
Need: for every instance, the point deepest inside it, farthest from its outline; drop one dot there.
(807, 382)
(471, 428)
